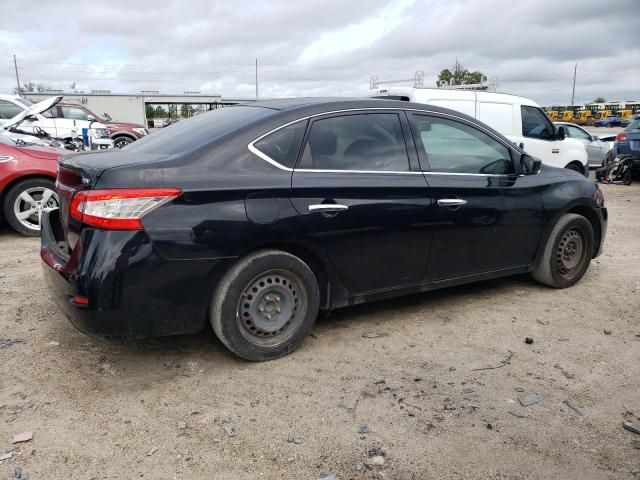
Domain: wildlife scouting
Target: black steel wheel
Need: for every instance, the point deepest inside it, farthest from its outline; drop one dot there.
(567, 253)
(121, 142)
(265, 305)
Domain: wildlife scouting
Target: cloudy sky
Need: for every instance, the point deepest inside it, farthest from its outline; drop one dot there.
(323, 47)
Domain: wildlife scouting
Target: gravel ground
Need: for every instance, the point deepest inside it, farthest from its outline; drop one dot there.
(438, 391)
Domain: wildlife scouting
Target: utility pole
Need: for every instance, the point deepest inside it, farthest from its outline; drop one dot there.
(256, 79)
(15, 64)
(573, 90)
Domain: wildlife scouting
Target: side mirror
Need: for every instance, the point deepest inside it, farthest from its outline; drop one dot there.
(529, 165)
(594, 138)
(91, 118)
(31, 118)
(107, 117)
(560, 133)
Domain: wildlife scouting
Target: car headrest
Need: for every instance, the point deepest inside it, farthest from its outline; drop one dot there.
(323, 142)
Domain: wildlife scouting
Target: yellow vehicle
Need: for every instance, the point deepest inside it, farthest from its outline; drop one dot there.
(584, 117)
(553, 115)
(603, 114)
(567, 115)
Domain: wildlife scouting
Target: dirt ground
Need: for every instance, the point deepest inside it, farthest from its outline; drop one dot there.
(158, 409)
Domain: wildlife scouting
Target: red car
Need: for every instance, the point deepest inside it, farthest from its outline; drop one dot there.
(27, 183)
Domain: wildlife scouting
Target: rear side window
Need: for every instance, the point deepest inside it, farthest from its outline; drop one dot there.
(366, 142)
(74, 113)
(454, 147)
(535, 123)
(575, 132)
(283, 145)
(195, 132)
(8, 110)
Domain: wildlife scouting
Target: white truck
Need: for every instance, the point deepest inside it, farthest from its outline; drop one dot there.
(519, 119)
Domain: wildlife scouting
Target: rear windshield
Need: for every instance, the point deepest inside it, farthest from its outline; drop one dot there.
(195, 132)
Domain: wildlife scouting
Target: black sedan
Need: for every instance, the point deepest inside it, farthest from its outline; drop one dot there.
(255, 217)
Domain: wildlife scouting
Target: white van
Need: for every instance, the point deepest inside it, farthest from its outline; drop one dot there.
(519, 119)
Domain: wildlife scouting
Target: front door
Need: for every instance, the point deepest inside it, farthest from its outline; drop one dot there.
(538, 137)
(485, 216)
(362, 202)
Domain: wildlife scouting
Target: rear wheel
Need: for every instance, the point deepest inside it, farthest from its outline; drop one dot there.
(626, 179)
(26, 201)
(265, 305)
(574, 167)
(568, 252)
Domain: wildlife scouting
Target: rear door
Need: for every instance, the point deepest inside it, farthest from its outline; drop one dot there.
(71, 121)
(596, 150)
(362, 198)
(485, 217)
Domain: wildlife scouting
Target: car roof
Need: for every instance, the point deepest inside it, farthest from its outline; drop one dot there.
(309, 105)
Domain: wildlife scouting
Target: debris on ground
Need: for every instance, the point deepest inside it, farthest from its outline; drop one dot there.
(327, 476)
(295, 440)
(519, 389)
(17, 472)
(544, 322)
(503, 363)
(231, 431)
(374, 335)
(519, 414)
(168, 364)
(635, 472)
(363, 429)
(607, 332)
(22, 437)
(376, 461)
(452, 369)
(53, 343)
(631, 426)
(7, 342)
(182, 425)
(5, 456)
(152, 451)
(468, 390)
(377, 452)
(3, 275)
(573, 407)
(528, 340)
(531, 399)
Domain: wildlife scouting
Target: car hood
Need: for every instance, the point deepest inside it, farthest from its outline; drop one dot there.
(38, 108)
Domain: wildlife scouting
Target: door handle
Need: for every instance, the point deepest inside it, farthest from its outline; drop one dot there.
(328, 207)
(451, 202)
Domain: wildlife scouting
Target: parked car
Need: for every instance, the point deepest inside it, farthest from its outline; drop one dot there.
(628, 143)
(27, 183)
(59, 127)
(609, 122)
(254, 217)
(122, 133)
(597, 148)
(519, 119)
(626, 121)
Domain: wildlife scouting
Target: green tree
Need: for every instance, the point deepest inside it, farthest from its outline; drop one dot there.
(160, 112)
(599, 100)
(150, 111)
(459, 76)
(31, 87)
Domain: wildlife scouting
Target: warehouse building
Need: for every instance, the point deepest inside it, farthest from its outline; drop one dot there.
(145, 108)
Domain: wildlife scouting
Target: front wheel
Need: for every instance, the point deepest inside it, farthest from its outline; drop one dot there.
(26, 201)
(568, 252)
(574, 167)
(265, 305)
(121, 142)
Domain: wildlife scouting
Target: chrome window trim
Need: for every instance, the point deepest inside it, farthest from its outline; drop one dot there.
(276, 164)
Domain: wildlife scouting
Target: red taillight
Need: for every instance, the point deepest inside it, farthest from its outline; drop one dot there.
(80, 301)
(119, 209)
(620, 136)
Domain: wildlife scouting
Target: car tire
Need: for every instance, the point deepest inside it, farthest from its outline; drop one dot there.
(121, 142)
(567, 253)
(14, 204)
(265, 305)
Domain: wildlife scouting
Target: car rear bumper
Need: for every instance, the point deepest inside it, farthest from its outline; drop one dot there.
(132, 290)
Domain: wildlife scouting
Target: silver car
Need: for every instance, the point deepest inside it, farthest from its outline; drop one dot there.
(597, 148)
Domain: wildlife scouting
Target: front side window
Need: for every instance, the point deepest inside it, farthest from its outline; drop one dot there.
(575, 132)
(535, 123)
(9, 110)
(283, 145)
(454, 147)
(366, 142)
(74, 113)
